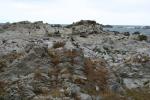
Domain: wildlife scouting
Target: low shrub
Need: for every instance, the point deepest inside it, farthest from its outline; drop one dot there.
(142, 37)
(2, 31)
(58, 45)
(136, 33)
(82, 22)
(126, 34)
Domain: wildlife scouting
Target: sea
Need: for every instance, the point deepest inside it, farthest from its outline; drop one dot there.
(129, 28)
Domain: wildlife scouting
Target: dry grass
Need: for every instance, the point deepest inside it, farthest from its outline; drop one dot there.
(41, 90)
(130, 94)
(58, 45)
(113, 96)
(55, 93)
(54, 72)
(138, 94)
(14, 55)
(98, 76)
(51, 52)
(2, 65)
(55, 60)
(55, 57)
(9, 58)
(2, 88)
(72, 54)
(38, 74)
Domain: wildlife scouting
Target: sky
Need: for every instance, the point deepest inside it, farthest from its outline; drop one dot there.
(114, 12)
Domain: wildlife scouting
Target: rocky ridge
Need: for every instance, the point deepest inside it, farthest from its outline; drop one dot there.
(39, 61)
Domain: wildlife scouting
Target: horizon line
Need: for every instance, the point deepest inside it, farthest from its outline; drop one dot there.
(73, 22)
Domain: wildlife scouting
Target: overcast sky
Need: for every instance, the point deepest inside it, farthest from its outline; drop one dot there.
(121, 12)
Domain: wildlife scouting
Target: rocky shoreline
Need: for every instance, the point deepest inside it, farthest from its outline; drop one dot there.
(81, 61)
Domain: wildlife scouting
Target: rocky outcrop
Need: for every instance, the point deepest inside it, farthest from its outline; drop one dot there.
(26, 28)
(107, 26)
(52, 73)
(79, 61)
(85, 28)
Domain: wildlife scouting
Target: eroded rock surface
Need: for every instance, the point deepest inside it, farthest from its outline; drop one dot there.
(39, 61)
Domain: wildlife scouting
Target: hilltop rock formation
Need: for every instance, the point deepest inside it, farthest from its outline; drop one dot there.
(86, 27)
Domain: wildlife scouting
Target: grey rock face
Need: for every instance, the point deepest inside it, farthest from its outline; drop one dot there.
(85, 97)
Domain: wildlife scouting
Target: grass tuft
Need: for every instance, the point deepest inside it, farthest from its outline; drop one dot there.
(58, 45)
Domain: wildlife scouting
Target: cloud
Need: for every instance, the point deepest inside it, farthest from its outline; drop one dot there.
(67, 11)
